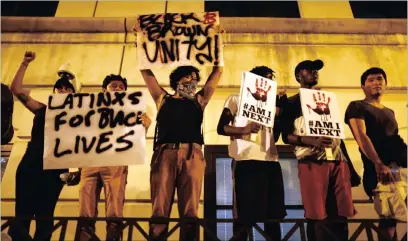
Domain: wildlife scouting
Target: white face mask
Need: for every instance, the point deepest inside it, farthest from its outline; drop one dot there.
(187, 89)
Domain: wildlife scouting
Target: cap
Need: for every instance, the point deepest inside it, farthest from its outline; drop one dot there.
(309, 64)
(66, 69)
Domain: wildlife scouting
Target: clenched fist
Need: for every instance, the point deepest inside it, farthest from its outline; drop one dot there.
(28, 57)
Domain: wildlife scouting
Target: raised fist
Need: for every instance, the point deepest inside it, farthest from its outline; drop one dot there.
(322, 106)
(28, 57)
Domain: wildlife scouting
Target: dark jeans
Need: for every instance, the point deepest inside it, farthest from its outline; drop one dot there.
(259, 195)
(37, 193)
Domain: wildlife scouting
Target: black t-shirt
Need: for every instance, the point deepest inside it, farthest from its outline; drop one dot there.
(33, 157)
(35, 147)
(179, 121)
(381, 127)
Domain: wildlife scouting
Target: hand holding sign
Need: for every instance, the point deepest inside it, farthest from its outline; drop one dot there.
(321, 113)
(252, 127)
(257, 99)
(94, 129)
(322, 142)
(146, 121)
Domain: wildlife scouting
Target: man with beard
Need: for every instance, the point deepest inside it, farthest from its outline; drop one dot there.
(376, 131)
(325, 185)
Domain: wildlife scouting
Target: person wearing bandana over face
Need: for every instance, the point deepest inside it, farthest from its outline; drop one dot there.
(257, 174)
(37, 190)
(177, 161)
(324, 175)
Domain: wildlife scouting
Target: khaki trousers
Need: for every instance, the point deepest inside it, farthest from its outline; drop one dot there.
(170, 169)
(113, 181)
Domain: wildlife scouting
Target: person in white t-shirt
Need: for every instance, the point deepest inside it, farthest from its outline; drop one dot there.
(258, 183)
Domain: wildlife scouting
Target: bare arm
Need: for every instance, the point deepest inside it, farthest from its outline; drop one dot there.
(308, 141)
(17, 84)
(224, 128)
(146, 121)
(358, 128)
(210, 85)
(155, 90)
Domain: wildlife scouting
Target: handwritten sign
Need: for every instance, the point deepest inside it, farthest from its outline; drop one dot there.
(257, 99)
(175, 39)
(94, 130)
(321, 113)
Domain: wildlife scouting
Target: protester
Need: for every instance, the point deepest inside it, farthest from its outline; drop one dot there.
(7, 106)
(324, 184)
(37, 190)
(257, 175)
(376, 131)
(112, 179)
(177, 161)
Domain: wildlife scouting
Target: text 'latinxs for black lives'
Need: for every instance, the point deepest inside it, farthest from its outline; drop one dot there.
(104, 108)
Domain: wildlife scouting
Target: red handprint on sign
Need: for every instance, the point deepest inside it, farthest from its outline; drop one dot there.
(322, 107)
(261, 93)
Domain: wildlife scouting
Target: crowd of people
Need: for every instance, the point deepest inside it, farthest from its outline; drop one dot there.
(178, 164)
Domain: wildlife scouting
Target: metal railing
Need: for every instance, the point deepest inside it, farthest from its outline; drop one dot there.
(134, 224)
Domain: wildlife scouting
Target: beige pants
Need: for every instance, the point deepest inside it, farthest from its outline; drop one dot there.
(113, 181)
(171, 169)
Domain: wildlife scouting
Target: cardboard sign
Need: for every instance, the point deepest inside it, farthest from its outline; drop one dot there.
(321, 113)
(175, 39)
(257, 99)
(94, 130)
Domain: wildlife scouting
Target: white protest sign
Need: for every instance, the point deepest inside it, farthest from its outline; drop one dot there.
(175, 39)
(257, 99)
(94, 130)
(321, 113)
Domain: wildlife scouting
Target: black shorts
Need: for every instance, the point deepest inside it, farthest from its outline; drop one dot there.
(259, 190)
